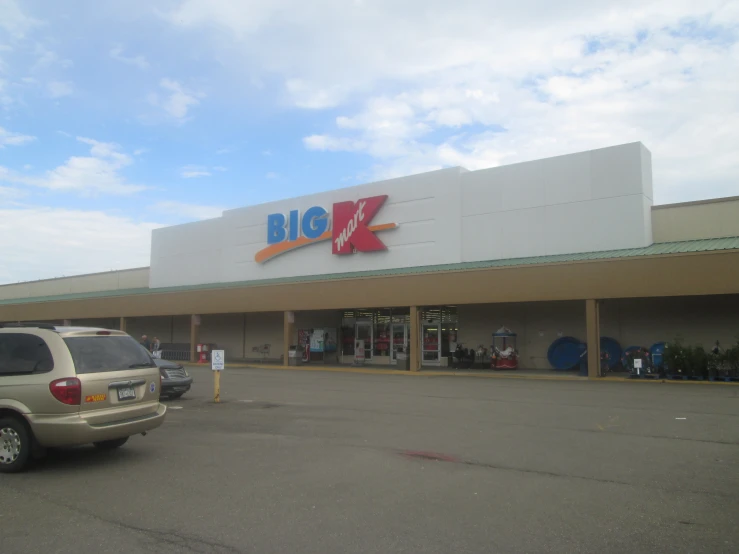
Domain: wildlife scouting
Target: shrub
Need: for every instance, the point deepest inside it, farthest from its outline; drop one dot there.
(675, 357)
(699, 362)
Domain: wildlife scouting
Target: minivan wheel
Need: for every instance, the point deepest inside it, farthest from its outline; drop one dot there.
(110, 445)
(15, 445)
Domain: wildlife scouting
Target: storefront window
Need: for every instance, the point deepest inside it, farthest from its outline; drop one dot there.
(386, 330)
(347, 340)
(401, 315)
(382, 332)
(377, 327)
(347, 333)
(442, 320)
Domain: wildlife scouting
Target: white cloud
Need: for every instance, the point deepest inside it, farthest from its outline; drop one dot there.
(13, 139)
(5, 98)
(98, 173)
(137, 61)
(59, 241)
(482, 83)
(325, 142)
(9, 193)
(193, 171)
(59, 89)
(313, 96)
(176, 101)
(13, 20)
(47, 60)
(187, 211)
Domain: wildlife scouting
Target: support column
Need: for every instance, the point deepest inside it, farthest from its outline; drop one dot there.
(194, 337)
(288, 327)
(67, 322)
(414, 340)
(592, 321)
(122, 324)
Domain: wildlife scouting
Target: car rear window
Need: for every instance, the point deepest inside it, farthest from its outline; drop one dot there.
(22, 353)
(99, 354)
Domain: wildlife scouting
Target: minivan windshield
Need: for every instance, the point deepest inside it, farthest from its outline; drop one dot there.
(103, 353)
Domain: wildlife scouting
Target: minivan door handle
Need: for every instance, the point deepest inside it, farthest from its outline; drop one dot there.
(116, 384)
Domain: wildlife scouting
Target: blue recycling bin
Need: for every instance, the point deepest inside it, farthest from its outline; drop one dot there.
(657, 350)
(565, 353)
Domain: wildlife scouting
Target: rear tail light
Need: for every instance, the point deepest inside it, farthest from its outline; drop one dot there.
(67, 391)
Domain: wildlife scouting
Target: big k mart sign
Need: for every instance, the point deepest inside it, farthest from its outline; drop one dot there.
(348, 227)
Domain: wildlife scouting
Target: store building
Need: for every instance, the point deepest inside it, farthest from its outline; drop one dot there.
(564, 246)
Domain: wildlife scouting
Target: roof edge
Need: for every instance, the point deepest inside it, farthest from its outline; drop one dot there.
(696, 202)
(94, 274)
(677, 248)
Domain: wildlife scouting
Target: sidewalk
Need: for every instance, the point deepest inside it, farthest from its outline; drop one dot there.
(485, 374)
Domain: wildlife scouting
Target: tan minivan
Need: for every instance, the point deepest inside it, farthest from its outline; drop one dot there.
(65, 386)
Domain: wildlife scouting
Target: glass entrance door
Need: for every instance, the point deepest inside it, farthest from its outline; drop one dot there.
(400, 340)
(430, 344)
(364, 332)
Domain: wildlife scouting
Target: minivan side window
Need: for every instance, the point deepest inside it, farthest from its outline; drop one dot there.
(22, 354)
(102, 353)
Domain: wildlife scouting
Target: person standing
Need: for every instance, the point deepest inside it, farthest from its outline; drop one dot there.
(156, 347)
(145, 342)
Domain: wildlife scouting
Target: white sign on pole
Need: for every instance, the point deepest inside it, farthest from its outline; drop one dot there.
(637, 363)
(218, 360)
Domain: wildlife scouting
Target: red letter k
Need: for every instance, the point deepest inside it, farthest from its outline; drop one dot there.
(350, 230)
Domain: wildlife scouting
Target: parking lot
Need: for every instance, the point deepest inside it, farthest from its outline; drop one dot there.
(314, 462)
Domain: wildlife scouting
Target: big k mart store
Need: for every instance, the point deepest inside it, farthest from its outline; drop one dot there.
(408, 268)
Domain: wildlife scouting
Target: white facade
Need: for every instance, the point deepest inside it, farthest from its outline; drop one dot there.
(590, 201)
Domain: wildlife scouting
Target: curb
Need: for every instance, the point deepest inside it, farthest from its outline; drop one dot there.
(379, 371)
(522, 376)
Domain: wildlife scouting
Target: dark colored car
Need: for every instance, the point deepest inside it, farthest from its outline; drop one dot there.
(175, 379)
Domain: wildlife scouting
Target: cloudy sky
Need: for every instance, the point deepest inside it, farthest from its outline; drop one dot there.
(120, 116)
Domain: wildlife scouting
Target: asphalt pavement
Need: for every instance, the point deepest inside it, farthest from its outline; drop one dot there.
(334, 463)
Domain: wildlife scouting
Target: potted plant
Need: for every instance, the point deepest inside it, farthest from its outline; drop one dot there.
(731, 360)
(641, 354)
(716, 361)
(673, 358)
(699, 362)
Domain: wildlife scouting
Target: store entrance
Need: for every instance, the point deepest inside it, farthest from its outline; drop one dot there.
(400, 340)
(363, 331)
(430, 343)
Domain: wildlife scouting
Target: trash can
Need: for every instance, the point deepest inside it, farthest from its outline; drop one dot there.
(293, 358)
(404, 361)
(202, 350)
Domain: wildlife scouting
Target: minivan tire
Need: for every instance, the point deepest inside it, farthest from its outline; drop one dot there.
(14, 430)
(111, 444)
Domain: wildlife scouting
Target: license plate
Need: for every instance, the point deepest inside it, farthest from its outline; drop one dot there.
(126, 393)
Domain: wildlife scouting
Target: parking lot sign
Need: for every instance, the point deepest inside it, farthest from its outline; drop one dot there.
(218, 360)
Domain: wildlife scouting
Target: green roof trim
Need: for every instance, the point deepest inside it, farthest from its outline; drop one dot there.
(665, 248)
